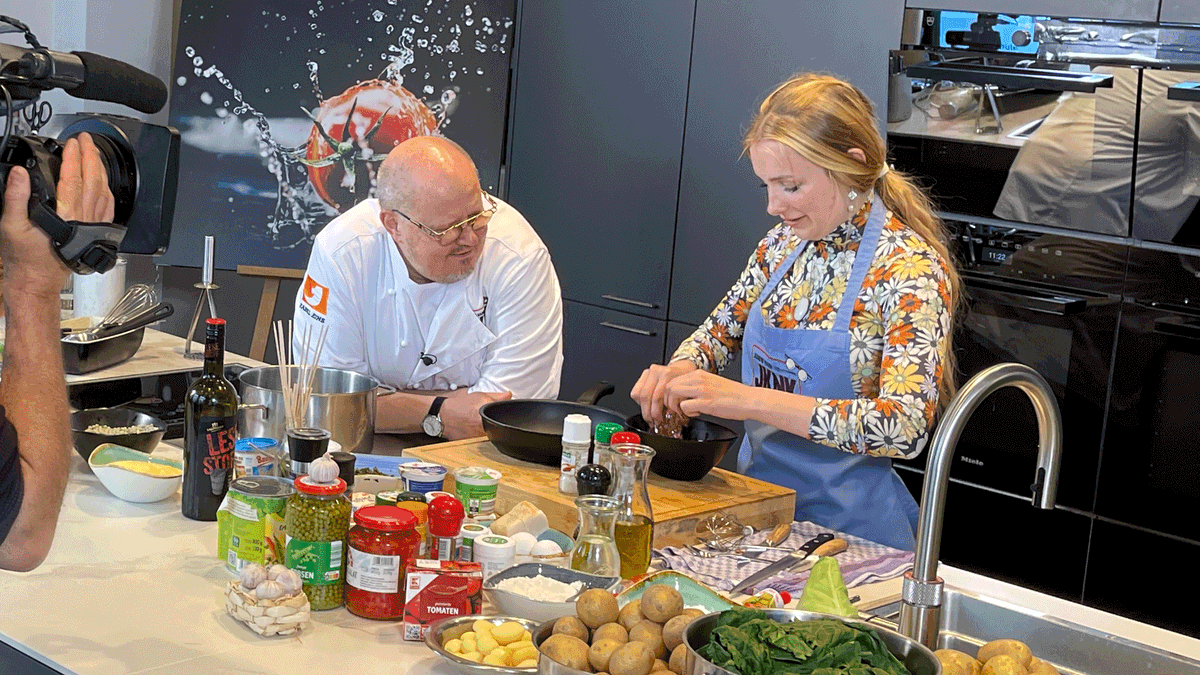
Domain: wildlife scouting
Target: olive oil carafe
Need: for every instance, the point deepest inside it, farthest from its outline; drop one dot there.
(635, 518)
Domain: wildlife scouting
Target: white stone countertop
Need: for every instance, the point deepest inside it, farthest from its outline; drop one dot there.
(136, 588)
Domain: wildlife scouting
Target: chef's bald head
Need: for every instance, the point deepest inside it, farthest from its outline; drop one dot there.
(426, 169)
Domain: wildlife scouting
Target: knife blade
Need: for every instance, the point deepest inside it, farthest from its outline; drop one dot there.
(822, 544)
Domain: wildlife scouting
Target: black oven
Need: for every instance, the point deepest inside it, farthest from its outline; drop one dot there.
(1005, 125)
(1053, 303)
(1150, 471)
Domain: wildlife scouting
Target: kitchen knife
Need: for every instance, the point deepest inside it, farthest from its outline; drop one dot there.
(822, 544)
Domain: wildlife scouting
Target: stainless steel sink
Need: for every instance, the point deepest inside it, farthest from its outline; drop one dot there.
(968, 621)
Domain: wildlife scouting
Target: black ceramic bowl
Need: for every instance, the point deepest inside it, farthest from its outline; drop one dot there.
(703, 444)
(86, 442)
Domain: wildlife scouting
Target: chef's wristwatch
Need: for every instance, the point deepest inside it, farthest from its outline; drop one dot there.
(432, 424)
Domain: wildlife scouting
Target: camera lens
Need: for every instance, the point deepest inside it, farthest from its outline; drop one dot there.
(119, 164)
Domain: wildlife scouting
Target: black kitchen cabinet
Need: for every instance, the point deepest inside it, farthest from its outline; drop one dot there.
(740, 52)
(605, 345)
(1008, 539)
(600, 90)
(1125, 10)
(1144, 576)
(1179, 11)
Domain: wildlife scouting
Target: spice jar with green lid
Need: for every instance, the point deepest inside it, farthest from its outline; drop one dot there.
(317, 520)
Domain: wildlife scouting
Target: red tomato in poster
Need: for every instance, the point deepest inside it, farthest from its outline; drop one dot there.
(404, 116)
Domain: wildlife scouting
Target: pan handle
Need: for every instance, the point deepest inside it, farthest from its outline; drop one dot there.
(246, 407)
(592, 396)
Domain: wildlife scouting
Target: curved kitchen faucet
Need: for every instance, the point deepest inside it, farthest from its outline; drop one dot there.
(921, 598)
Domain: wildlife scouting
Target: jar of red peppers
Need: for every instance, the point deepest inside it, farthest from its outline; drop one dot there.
(382, 541)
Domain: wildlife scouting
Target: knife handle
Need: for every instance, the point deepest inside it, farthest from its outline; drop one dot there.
(831, 547)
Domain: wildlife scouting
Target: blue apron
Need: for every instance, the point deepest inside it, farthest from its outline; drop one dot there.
(851, 493)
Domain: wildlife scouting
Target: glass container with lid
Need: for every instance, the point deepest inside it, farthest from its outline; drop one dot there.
(317, 520)
(382, 541)
(595, 549)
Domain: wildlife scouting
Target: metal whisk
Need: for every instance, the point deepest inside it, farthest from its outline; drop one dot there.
(137, 299)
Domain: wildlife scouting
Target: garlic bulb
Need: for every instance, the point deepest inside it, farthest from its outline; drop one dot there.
(323, 470)
(268, 590)
(252, 575)
(289, 581)
(275, 571)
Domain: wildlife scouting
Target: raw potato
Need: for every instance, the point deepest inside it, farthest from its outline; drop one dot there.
(473, 656)
(601, 652)
(678, 659)
(672, 633)
(660, 603)
(611, 631)
(596, 607)
(650, 634)
(631, 658)
(955, 662)
(487, 643)
(567, 650)
(1014, 648)
(1040, 667)
(570, 625)
(631, 614)
(508, 632)
(658, 665)
(523, 654)
(1004, 664)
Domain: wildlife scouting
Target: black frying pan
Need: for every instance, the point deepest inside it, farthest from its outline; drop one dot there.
(703, 444)
(531, 429)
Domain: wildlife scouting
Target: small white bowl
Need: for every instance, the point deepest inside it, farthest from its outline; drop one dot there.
(132, 486)
(514, 604)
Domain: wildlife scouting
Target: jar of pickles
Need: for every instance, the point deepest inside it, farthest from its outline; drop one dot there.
(383, 540)
(317, 520)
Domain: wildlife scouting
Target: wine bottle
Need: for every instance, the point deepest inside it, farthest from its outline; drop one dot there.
(211, 408)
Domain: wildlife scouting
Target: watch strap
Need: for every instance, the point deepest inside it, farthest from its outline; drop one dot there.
(436, 407)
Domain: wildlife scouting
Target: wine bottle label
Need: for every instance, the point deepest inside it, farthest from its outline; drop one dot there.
(319, 563)
(217, 438)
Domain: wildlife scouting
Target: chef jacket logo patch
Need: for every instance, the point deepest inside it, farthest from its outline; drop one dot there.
(315, 296)
(481, 312)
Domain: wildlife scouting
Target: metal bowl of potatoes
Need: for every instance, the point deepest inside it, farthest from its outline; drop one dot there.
(442, 633)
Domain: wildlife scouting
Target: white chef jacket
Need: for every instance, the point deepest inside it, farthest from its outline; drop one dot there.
(499, 329)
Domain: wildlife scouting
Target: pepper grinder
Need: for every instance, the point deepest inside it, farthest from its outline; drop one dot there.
(206, 287)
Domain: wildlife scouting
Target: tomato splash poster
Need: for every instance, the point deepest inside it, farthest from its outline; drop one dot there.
(285, 109)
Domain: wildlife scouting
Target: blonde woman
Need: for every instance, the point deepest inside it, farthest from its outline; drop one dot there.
(843, 317)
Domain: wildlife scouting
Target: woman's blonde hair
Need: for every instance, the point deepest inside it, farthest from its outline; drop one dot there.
(823, 118)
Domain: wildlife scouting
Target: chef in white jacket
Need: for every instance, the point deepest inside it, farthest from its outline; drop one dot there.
(438, 289)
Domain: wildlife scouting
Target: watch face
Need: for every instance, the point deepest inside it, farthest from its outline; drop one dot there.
(432, 425)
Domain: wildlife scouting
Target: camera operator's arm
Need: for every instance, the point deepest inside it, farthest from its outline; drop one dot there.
(32, 386)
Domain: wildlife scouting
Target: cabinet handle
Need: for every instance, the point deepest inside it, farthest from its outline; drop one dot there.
(627, 301)
(1184, 91)
(627, 329)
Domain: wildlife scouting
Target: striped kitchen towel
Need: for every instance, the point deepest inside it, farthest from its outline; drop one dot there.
(863, 562)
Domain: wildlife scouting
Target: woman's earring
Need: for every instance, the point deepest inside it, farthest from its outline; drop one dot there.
(850, 197)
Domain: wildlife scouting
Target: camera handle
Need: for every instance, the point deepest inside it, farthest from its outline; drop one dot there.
(84, 247)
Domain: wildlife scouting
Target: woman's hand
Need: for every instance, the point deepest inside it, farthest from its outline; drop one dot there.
(701, 392)
(651, 388)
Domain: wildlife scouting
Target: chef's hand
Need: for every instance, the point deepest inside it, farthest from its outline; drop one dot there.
(701, 392)
(460, 414)
(651, 389)
(30, 264)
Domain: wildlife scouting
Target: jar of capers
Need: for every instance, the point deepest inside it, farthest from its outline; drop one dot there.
(316, 520)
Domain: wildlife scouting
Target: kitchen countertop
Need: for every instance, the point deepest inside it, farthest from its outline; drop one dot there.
(136, 588)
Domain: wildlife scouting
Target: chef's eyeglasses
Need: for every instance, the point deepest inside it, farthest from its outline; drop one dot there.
(449, 235)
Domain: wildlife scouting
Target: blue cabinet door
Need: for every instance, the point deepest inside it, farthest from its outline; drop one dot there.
(740, 52)
(600, 91)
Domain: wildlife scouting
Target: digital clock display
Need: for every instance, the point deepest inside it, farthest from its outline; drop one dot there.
(995, 255)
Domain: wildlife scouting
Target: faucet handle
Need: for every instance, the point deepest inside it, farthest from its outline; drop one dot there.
(921, 593)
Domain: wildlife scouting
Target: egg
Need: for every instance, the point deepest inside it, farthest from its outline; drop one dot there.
(546, 548)
(524, 542)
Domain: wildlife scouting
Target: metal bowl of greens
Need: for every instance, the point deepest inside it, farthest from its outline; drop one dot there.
(750, 642)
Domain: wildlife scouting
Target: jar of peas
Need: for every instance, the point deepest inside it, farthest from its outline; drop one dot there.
(317, 520)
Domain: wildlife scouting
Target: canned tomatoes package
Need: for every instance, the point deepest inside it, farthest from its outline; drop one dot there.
(250, 524)
(436, 589)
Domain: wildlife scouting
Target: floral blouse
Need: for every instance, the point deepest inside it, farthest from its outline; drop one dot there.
(897, 333)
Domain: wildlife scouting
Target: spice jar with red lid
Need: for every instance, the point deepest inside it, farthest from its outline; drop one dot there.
(446, 516)
(383, 541)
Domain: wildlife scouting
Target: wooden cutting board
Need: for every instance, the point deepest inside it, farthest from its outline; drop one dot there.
(679, 506)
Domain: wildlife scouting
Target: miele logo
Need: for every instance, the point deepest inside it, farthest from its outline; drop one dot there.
(971, 460)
